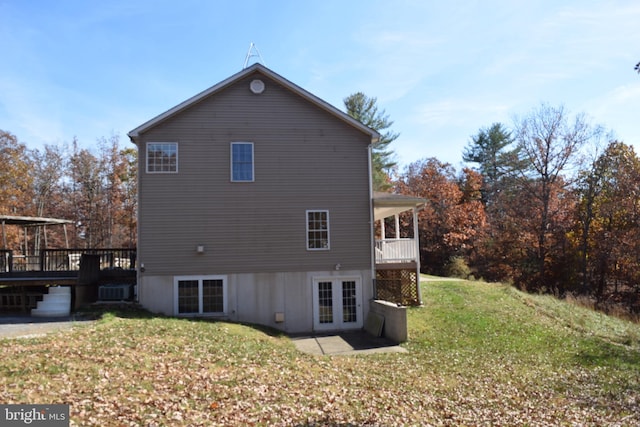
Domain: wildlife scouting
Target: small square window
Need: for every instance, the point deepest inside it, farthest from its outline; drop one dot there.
(242, 162)
(162, 157)
(317, 230)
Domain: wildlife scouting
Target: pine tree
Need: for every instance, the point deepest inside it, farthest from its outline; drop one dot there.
(364, 109)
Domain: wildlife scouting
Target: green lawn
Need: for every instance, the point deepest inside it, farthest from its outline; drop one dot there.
(479, 354)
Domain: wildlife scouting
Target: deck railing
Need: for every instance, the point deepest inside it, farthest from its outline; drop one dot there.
(67, 260)
(396, 250)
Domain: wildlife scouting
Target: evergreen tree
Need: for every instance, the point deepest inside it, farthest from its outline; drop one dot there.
(364, 109)
(489, 148)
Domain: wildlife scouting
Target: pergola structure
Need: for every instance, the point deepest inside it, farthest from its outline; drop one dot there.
(32, 221)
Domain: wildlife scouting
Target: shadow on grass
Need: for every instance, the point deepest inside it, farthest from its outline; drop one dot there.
(135, 311)
(607, 354)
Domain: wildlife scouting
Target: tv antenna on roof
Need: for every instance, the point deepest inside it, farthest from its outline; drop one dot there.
(250, 54)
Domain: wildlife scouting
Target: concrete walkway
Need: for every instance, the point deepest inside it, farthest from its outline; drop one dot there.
(28, 327)
(345, 344)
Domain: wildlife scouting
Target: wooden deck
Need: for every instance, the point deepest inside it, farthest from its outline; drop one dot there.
(23, 279)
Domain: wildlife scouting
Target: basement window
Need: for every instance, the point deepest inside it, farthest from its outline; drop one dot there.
(200, 295)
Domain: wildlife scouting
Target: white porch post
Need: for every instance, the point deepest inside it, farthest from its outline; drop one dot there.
(396, 220)
(417, 239)
(382, 232)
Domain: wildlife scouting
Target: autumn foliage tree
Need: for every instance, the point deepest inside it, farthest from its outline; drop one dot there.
(549, 142)
(95, 190)
(15, 178)
(453, 217)
(15, 183)
(609, 222)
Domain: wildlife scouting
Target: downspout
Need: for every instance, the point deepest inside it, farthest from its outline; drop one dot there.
(372, 243)
(139, 266)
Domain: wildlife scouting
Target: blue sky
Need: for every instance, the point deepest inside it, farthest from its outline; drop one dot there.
(441, 69)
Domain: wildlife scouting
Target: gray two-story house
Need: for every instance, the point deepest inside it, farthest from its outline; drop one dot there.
(255, 205)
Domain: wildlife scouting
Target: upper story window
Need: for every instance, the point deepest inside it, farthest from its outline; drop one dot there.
(317, 230)
(242, 162)
(162, 157)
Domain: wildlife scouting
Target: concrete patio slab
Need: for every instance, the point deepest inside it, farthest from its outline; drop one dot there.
(345, 344)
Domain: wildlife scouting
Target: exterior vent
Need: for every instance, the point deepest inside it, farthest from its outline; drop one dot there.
(114, 292)
(257, 86)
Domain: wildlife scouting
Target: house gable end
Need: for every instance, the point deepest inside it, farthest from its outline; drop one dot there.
(255, 72)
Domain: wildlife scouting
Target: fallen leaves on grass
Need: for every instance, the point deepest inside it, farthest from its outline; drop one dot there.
(156, 372)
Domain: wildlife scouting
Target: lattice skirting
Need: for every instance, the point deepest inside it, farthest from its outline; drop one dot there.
(398, 286)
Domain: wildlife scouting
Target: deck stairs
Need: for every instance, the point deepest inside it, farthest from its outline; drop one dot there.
(57, 303)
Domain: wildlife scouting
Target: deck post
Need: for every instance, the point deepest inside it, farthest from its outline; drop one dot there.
(4, 236)
(416, 236)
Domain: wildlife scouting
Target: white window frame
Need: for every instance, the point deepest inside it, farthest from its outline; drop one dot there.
(328, 230)
(200, 279)
(337, 303)
(253, 161)
(149, 144)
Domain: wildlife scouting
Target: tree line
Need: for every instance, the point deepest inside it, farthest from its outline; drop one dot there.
(551, 204)
(96, 190)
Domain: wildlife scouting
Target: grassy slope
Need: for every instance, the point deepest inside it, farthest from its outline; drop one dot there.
(479, 354)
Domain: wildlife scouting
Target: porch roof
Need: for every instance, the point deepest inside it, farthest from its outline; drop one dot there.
(388, 204)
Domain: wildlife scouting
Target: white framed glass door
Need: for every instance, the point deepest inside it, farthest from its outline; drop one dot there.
(337, 303)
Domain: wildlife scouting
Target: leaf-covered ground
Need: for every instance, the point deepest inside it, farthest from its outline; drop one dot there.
(479, 354)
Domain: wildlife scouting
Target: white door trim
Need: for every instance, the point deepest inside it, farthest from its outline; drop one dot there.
(337, 309)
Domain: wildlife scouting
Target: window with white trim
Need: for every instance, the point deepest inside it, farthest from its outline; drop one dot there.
(199, 295)
(317, 230)
(162, 157)
(242, 162)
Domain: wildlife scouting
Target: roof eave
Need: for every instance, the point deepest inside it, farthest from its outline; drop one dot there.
(389, 204)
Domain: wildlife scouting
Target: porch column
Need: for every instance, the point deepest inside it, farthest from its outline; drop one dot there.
(382, 232)
(396, 220)
(416, 237)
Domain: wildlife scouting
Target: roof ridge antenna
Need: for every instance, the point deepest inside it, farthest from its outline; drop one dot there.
(250, 54)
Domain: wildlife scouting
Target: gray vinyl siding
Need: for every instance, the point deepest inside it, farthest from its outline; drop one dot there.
(305, 159)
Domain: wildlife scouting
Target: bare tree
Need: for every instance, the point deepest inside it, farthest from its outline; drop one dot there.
(549, 143)
(47, 170)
